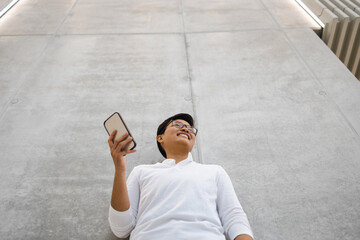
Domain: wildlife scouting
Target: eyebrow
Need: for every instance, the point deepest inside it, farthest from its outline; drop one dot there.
(186, 123)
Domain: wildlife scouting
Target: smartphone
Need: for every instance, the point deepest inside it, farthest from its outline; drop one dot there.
(115, 122)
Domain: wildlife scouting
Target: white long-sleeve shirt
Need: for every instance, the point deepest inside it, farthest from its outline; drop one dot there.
(187, 200)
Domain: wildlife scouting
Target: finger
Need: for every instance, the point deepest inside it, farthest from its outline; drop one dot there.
(113, 133)
(121, 145)
(122, 138)
(111, 137)
(124, 144)
(124, 153)
(130, 151)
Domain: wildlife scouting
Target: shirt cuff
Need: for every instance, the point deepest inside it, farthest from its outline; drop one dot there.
(238, 229)
(120, 220)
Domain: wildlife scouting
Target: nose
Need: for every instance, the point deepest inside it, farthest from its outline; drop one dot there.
(186, 129)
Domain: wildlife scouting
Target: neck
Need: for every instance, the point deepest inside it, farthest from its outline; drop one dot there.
(177, 156)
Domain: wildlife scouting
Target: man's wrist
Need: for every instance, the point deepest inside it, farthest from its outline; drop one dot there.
(243, 237)
(120, 172)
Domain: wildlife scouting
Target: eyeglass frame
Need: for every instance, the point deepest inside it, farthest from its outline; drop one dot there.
(183, 124)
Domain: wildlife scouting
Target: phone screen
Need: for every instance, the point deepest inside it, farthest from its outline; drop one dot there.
(115, 122)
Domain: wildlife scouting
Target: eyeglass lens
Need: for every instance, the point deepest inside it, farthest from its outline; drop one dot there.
(181, 125)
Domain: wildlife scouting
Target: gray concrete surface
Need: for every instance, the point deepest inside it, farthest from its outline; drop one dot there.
(4, 3)
(274, 107)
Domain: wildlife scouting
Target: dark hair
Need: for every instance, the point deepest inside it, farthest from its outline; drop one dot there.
(161, 129)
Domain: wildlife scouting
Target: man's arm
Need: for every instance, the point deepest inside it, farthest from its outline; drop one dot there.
(231, 213)
(121, 216)
(120, 197)
(243, 237)
(124, 204)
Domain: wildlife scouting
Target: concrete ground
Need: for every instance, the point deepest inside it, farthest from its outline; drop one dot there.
(274, 107)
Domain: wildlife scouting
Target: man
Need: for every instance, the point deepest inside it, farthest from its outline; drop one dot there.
(175, 199)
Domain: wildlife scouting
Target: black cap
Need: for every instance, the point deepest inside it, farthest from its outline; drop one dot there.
(161, 129)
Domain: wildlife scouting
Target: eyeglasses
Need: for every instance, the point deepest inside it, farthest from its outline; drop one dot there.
(181, 125)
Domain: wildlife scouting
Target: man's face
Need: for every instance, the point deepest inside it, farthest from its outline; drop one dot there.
(175, 137)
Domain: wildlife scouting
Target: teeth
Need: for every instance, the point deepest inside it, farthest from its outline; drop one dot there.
(184, 135)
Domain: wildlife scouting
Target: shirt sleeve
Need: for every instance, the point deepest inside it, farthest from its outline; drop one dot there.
(123, 222)
(231, 213)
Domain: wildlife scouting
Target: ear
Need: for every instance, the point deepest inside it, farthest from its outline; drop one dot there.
(159, 138)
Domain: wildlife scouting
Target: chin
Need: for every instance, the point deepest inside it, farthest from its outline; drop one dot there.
(185, 143)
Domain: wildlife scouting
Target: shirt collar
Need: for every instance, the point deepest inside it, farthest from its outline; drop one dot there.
(171, 162)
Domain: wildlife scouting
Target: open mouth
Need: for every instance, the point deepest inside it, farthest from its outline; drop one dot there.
(184, 135)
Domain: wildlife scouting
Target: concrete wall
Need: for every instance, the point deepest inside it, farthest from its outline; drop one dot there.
(4, 3)
(274, 107)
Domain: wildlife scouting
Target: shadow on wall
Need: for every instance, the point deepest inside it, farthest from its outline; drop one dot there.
(111, 236)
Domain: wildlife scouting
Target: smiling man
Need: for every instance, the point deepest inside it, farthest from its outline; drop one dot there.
(175, 199)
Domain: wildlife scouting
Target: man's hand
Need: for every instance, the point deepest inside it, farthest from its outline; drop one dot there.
(243, 237)
(117, 152)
